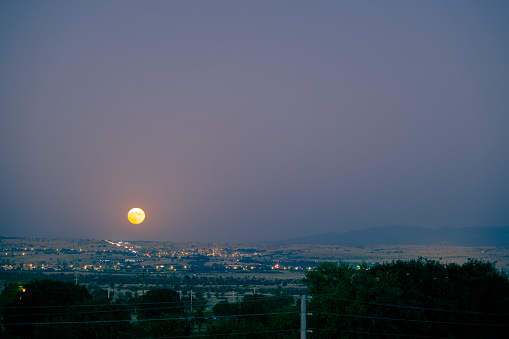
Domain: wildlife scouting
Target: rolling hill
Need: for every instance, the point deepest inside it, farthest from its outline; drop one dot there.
(405, 235)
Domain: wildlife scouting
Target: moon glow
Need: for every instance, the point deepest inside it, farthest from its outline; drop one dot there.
(136, 215)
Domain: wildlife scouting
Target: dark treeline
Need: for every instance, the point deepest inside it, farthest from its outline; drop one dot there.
(416, 298)
(57, 309)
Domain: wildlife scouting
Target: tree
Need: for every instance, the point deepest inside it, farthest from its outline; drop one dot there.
(41, 301)
(9, 294)
(255, 316)
(162, 313)
(411, 298)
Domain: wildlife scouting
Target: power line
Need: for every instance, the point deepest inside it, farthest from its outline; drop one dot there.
(264, 314)
(136, 305)
(386, 334)
(144, 320)
(133, 303)
(226, 334)
(96, 305)
(127, 307)
(410, 320)
(65, 313)
(102, 311)
(409, 307)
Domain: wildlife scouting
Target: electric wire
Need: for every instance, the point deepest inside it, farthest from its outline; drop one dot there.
(250, 315)
(100, 311)
(198, 304)
(130, 304)
(97, 305)
(144, 320)
(409, 307)
(410, 320)
(384, 334)
(226, 334)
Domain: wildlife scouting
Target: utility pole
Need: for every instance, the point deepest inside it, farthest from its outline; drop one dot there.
(143, 281)
(233, 299)
(191, 300)
(303, 314)
(76, 277)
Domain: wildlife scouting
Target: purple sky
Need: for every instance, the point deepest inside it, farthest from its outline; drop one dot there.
(238, 121)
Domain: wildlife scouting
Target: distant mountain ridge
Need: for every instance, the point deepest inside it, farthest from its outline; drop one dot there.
(405, 235)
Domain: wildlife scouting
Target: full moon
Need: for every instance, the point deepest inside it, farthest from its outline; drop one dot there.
(136, 215)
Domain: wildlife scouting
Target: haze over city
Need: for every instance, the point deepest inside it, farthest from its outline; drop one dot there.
(250, 121)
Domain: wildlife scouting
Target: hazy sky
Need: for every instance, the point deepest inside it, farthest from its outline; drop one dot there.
(251, 120)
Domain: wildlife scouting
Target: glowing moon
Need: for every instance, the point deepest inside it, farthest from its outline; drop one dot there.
(136, 215)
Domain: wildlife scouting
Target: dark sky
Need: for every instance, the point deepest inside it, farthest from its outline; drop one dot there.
(238, 121)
